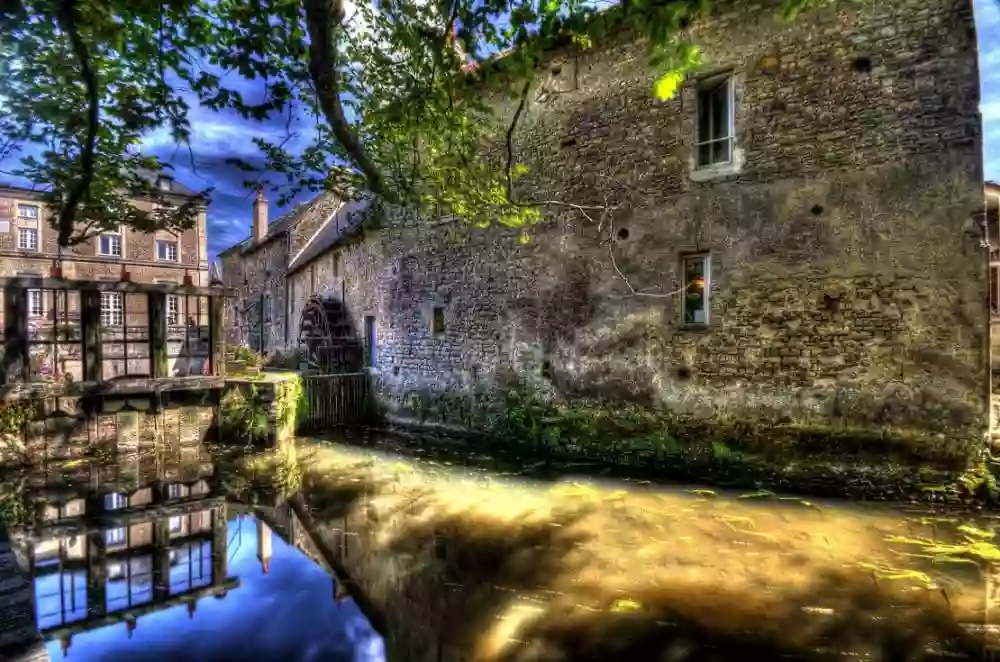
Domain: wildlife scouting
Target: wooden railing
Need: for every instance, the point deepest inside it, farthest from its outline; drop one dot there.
(334, 400)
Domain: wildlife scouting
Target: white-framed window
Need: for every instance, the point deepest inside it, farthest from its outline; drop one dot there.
(114, 501)
(27, 211)
(27, 239)
(115, 536)
(110, 243)
(175, 524)
(166, 250)
(112, 309)
(173, 310)
(696, 289)
(174, 490)
(35, 306)
(716, 129)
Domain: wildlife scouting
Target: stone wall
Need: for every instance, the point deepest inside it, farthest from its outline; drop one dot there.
(847, 281)
(255, 272)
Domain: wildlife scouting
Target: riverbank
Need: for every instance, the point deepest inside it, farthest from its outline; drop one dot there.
(960, 484)
(466, 562)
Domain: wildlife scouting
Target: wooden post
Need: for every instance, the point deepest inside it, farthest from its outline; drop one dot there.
(16, 334)
(216, 337)
(157, 307)
(90, 323)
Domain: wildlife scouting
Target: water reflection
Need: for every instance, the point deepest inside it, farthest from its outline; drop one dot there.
(140, 555)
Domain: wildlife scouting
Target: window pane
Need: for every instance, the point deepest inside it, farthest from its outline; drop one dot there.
(720, 111)
(704, 116)
(705, 154)
(695, 291)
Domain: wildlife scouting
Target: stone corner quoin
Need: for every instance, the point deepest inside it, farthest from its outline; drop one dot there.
(822, 178)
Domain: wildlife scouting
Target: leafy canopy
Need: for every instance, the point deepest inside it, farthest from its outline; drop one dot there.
(396, 88)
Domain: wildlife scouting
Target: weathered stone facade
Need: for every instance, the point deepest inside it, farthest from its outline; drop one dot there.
(256, 268)
(848, 280)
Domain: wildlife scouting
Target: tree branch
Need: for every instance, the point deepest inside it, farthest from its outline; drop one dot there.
(80, 187)
(324, 21)
(510, 134)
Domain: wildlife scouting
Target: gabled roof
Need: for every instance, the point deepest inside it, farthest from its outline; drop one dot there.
(345, 222)
(321, 204)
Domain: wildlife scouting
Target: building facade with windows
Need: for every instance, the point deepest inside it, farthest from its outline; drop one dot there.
(796, 238)
(28, 247)
(102, 549)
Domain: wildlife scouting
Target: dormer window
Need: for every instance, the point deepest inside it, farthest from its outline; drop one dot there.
(163, 183)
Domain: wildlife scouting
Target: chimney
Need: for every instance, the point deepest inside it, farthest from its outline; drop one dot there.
(259, 216)
(263, 546)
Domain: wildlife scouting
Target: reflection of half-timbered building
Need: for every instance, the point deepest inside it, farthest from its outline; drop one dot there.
(109, 542)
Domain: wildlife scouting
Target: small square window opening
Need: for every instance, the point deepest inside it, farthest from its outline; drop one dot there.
(166, 251)
(715, 121)
(27, 211)
(110, 244)
(696, 290)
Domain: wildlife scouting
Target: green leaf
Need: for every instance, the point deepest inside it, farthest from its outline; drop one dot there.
(667, 85)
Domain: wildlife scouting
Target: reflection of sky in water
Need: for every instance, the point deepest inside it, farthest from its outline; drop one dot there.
(286, 615)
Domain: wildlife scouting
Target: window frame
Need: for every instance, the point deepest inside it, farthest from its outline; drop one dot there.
(706, 259)
(167, 243)
(23, 205)
(40, 300)
(25, 232)
(108, 312)
(704, 88)
(115, 501)
(111, 234)
(174, 491)
(173, 310)
(111, 539)
(179, 521)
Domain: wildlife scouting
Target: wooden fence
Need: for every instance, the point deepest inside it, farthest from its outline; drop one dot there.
(335, 399)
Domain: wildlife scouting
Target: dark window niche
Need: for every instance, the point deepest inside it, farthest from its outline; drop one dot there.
(862, 65)
(623, 234)
(437, 320)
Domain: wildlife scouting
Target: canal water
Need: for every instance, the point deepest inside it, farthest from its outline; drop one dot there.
(141, 542)
(137, 551)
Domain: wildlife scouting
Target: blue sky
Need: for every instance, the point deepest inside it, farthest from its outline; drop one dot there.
(288, 614)
(988, 28)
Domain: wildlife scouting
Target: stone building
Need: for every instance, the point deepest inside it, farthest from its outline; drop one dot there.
(256, 268)
(797, 237)
(28, 247)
